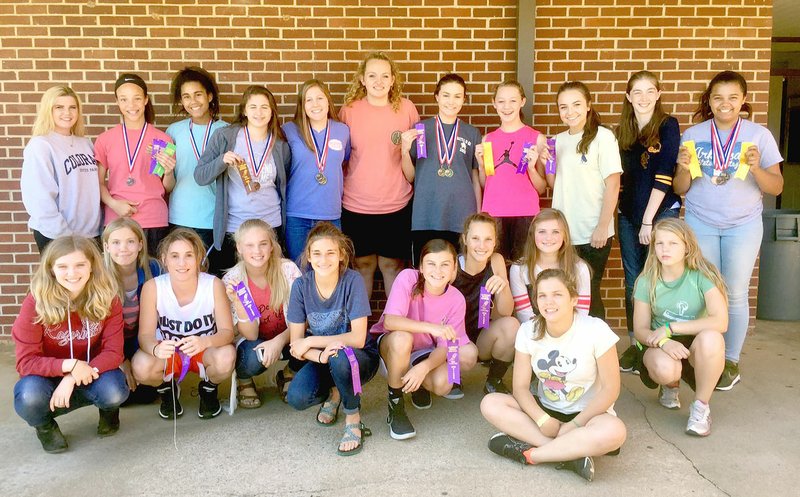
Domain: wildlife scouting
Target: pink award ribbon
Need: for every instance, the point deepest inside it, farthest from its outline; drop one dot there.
(550, 165)
(484, 308)
(522, 168)
(722, 154)
(453, 362)
(206, 135)
(351, 358)
(422, 148)
(246, 298)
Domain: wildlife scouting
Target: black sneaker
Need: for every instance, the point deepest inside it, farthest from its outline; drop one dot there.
(630, 360)
(495, 385)
(400, 427)
(209, 403)
(584, 467)
(455, 393)
(509, 447)
(109, 422)
(421, 398)
(171, 407)
(52, 439)
(644, 375)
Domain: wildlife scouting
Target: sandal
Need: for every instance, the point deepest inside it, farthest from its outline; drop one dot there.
(247, 395)
(330, 409)
(282, 381)
(350, 436)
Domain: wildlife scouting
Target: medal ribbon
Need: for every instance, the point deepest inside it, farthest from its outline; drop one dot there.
(321, 156)
(446, 147)
(722, 153)
(257, 166)
(206, 136)
(132, 158)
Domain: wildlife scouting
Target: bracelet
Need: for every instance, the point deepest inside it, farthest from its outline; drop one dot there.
(669, 330)
(319, 357)
(544, 418)
(662, 342)
(155, 347)
(647, 224)
(73, 367)
(576, 423)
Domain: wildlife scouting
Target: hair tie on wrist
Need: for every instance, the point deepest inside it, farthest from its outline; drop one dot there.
(647, 224)
(73, 366)
(319, 358)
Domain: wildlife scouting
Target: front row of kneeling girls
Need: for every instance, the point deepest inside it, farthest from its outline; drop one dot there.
(73, 309)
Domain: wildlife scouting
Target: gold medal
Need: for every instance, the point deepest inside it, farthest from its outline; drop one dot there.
(321, 179)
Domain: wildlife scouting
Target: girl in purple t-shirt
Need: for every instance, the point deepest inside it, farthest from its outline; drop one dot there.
(513, 183)
(423, 317)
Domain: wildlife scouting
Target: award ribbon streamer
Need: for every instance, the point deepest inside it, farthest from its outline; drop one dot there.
(484, 308)
(206, 136)
(257, 166)
(550, 165)
(446, 146)
(321, 156)
(246, 298)
(488, 158)
(744, 167)
(722, 154)
(422, 146)
(453, 362)
(522, 168)
(354, 372)
(694, 163)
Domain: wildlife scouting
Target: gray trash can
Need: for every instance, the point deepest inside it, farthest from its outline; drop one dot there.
(779, 270)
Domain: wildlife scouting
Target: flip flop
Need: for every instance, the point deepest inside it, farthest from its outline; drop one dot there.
(331, 410)
(350, 436)
(248, 400)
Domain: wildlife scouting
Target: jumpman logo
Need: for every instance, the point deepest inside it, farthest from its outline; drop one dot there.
(507, 156)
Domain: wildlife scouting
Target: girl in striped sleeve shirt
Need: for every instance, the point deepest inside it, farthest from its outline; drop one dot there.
(548, 246)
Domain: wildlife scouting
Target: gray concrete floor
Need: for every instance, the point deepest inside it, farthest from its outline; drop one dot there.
(753, 450)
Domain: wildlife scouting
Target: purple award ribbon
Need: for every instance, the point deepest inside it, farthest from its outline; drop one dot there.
(246, 298)
(155, 167)
(185, 363)
(550, 165)
(484, 308)
(453, 362)
(422, 148)
(351, 358)
(522, 168)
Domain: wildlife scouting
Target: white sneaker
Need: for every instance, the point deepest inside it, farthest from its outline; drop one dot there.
(669, 397)
(699, 419)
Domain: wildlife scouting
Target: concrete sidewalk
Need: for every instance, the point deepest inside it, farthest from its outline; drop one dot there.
(753, 450)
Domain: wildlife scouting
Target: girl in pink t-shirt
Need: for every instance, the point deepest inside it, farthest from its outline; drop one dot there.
(268, 277)
(376, 210)
(124, 155)
(513, 182)
(424, 312)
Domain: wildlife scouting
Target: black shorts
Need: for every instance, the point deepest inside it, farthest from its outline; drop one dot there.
(386, 235)
(564, 418)
(687, 370)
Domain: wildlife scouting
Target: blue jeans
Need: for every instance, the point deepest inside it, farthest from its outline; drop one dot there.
(312, 384)
(633, 256)
(248, 365)
(297, 229)
(734, 252)
(32, 396)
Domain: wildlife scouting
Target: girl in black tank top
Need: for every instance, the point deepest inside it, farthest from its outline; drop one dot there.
(480, 266)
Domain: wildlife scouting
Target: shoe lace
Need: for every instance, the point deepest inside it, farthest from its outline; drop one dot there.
(699, 412)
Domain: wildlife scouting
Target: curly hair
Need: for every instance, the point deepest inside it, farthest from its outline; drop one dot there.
(357, 91)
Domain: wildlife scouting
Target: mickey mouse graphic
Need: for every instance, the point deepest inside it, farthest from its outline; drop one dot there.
(554, 372)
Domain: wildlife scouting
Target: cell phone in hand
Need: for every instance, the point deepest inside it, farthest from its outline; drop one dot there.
(260, 354)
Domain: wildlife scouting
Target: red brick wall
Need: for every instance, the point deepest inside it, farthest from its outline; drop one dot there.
(86, 44)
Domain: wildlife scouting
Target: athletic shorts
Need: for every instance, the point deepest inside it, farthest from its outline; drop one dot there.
(175, 365)
(416, 357)
(386, 235)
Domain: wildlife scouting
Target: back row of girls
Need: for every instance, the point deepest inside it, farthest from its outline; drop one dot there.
(292, 176)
